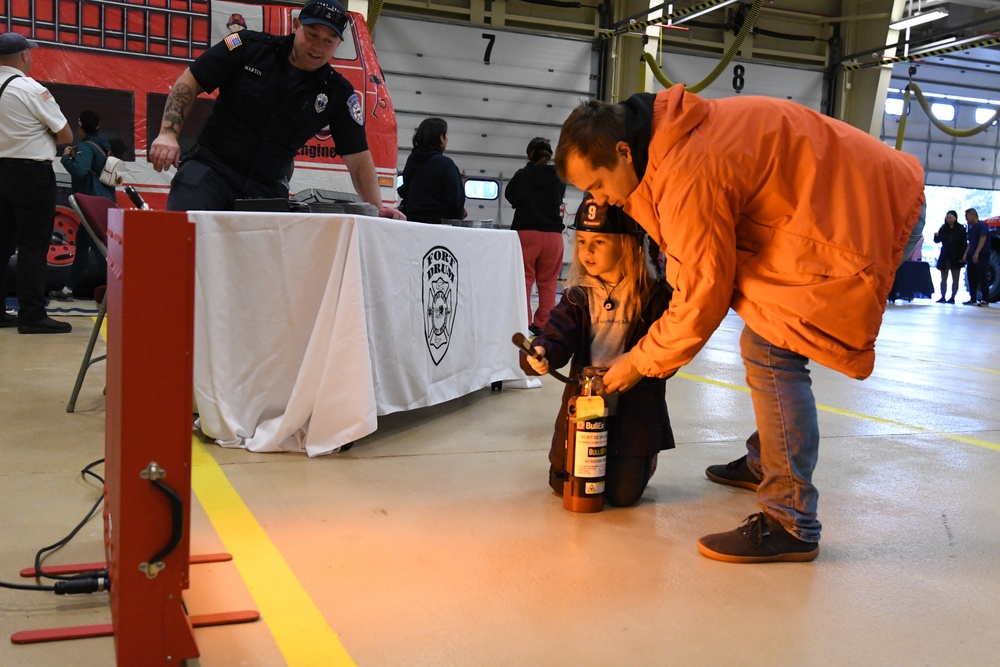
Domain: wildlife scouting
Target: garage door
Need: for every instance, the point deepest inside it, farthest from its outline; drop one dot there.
(743, 77)
(497, 90)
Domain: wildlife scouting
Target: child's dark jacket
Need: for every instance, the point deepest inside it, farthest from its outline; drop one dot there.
(642, 425)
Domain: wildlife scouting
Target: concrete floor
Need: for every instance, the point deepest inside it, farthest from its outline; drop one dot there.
(436, 541)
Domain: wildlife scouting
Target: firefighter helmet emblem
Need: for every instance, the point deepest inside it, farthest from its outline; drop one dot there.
(440, 294)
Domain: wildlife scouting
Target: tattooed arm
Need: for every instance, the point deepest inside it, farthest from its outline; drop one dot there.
(165, 152)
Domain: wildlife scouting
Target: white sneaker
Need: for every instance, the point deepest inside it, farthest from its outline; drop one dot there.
(65, 294)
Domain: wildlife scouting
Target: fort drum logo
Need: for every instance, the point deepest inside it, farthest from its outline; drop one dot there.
(440, 294)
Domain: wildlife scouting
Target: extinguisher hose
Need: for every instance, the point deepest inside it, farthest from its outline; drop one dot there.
(522, 344)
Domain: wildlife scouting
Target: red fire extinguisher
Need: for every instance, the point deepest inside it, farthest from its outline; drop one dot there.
(586, 447)
(587, 440)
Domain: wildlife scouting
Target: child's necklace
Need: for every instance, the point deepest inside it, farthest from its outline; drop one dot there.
(609, 303)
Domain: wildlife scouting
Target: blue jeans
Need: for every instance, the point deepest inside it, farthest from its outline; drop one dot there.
(785, 447)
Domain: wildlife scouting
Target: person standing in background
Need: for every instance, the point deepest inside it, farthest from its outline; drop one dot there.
(978, 257)
(432, 188)
(31, 126)
(953, 242)
(84, 164)
(536, 193)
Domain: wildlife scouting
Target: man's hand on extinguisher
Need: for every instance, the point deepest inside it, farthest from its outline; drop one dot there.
(621, 377)
(540, 364)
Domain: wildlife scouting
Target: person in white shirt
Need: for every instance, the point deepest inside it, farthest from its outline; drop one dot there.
(31, 125)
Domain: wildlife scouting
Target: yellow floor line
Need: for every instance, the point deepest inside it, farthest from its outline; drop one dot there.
(857, 415)
(937, 362)
(302, 634)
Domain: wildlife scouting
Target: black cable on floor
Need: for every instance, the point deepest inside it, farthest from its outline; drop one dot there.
(27, 587)
(83, 582)
(61, 543)
(87, 470)
(39, 573)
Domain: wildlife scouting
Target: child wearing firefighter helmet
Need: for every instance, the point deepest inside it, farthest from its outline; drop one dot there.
(611, 298)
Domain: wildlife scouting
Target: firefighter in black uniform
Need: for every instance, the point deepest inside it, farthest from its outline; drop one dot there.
(274, 94)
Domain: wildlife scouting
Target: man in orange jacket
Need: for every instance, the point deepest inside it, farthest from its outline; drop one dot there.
(796, 221)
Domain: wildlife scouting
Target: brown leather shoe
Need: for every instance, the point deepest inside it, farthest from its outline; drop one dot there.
(735, 473)
(761, 539)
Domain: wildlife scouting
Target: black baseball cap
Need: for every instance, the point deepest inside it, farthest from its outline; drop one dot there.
(15, 42)
(602, 219)
(325, 12)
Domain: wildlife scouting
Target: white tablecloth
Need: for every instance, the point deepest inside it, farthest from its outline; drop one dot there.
(308, 326)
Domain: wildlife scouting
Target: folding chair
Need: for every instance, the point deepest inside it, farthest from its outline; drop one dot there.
(93, 214)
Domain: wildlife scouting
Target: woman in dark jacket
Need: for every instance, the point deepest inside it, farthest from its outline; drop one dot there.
(536, 193)
(432, 187)
(85, 162)
(953, 240)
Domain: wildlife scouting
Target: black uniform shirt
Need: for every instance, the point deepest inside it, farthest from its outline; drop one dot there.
(267, 109)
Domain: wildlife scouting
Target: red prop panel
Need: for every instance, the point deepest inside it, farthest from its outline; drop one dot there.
(148, 433)
(147, 454)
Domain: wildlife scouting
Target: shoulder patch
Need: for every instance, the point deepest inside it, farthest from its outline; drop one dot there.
(233, 41)
(46, 95)
(354, 106)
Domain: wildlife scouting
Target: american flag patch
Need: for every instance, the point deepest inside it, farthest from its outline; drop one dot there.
(232, 41)
(46, 95)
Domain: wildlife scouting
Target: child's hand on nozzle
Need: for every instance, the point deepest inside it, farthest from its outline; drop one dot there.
(538, 362)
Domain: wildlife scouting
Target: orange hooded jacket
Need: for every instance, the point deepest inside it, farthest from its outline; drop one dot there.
(795, 220)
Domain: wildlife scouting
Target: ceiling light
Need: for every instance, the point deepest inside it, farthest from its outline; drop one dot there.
(690, 17)
(919, 19)
(933, 45)
(949, 43)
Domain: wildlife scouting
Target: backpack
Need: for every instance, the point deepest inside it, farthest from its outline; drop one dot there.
(113, 172)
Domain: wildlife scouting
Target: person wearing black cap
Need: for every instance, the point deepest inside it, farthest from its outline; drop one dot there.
(608, 305)
(536, 193)
(31, 125)
(275, 93)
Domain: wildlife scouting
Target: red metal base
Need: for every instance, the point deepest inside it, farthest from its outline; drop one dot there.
(77, 568)
(107, 629)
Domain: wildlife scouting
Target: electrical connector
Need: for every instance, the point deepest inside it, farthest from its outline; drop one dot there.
(79, 586)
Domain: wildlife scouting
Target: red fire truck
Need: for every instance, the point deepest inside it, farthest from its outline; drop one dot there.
(120, 58)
